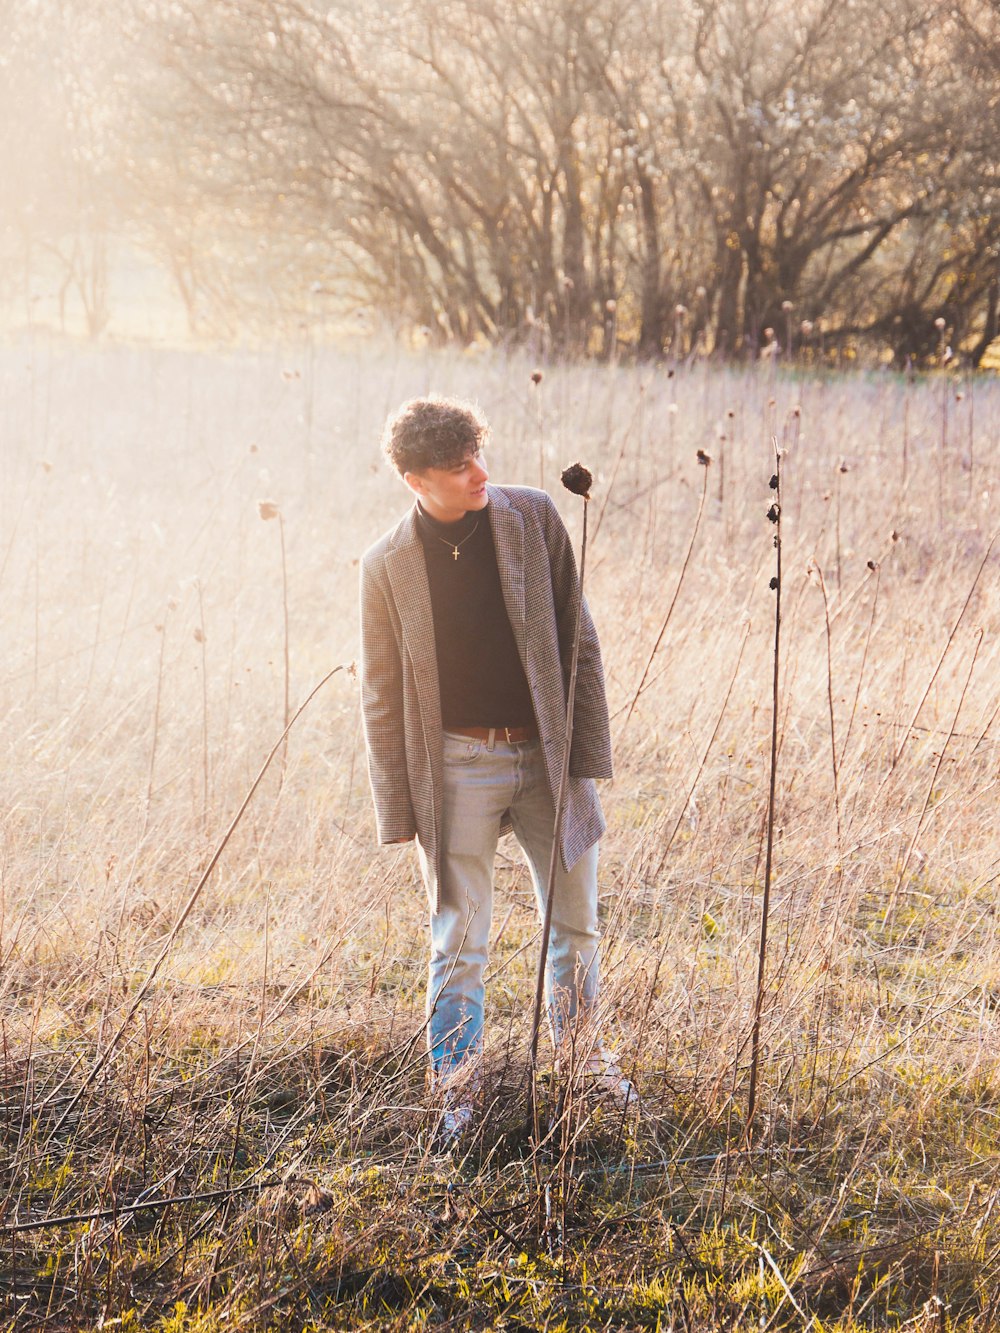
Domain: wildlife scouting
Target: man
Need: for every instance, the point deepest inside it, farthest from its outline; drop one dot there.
(468, 611)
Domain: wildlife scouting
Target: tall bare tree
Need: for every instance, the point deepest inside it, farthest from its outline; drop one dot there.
(578, 171)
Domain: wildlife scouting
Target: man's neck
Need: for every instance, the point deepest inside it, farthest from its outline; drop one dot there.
(450, 522)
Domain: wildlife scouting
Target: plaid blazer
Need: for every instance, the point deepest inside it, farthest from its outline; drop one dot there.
(401, 703)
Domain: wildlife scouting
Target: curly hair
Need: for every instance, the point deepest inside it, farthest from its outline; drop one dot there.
(433, 432)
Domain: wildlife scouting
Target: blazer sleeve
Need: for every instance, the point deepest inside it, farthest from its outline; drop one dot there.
(590, 754)
(382, 712)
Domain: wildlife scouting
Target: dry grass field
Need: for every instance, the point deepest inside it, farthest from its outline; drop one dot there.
(219, 1120)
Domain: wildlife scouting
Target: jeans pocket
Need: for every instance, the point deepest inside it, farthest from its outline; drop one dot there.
(459, 750)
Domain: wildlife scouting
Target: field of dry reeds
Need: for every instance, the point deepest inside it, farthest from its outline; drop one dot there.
(213, 1112)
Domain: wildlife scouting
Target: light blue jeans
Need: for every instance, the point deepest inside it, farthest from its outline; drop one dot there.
(481, 783)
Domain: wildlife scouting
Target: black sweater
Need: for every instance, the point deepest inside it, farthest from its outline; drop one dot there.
(481, 676)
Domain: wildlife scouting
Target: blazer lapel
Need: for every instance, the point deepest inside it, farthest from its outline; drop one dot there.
(407, 572)
(508, 541)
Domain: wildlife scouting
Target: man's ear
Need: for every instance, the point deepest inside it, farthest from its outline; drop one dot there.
(415, 482)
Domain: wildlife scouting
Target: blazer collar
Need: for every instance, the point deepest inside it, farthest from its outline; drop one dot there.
(405, 532)
(508, 541)
(504, 518)
(407, 573)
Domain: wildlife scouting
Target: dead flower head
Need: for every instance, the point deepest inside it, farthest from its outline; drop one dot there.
(268, 509)
(578, 479)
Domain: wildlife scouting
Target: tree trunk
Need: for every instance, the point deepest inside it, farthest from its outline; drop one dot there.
(651, 330)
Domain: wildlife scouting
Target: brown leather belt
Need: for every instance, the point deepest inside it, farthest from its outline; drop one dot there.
(511, 734)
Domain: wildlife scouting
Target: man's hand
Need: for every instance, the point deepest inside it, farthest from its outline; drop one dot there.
(394, 842)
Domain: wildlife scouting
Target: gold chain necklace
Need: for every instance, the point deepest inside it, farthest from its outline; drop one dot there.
(455, 545)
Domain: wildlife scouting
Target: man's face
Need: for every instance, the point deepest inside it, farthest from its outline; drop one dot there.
(447, 493)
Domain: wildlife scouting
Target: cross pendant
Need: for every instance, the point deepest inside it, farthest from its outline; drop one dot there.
(454, 553)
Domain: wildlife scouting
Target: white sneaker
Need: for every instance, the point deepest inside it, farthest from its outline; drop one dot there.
(610, 1082)
(601, 1077)
(454, 1123)
(459, 1089)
